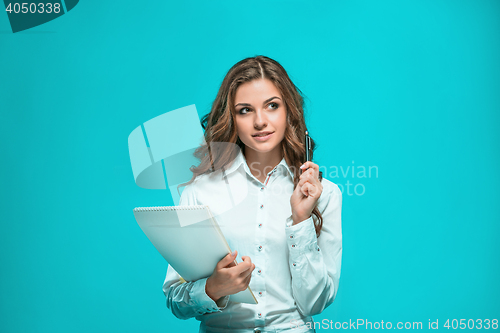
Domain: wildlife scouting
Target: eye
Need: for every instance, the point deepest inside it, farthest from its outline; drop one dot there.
(242, 110)
(274, 106)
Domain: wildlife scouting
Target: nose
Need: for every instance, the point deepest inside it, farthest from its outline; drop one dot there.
(260, 119)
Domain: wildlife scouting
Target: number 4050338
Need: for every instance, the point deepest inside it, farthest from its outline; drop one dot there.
(32, 7)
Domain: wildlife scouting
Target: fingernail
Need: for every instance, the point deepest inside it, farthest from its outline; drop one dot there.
(234, 253)
(303, 166)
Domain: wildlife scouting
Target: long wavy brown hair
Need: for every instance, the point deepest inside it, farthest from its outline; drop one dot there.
(219, 124)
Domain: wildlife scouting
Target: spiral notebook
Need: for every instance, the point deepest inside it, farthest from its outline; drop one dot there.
(190, 240)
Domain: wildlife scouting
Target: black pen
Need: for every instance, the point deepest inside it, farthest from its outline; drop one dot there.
(308, 153)
(308, 147)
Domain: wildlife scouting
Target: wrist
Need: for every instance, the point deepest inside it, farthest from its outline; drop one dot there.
(209, 292)
(297, 219)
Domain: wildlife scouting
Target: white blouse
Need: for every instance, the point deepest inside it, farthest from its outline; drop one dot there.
(296, 274)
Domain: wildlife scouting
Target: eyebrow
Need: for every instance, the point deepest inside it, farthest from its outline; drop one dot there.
(266, 101)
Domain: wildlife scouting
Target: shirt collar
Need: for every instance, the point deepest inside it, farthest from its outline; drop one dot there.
(240, 160)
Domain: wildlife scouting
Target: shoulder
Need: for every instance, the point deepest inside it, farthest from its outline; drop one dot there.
(203, 185)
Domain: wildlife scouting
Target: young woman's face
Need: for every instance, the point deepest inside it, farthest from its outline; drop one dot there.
(260, 108)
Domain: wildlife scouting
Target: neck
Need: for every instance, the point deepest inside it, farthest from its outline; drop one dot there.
(260, 164)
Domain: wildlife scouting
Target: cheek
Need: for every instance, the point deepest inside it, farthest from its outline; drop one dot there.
(280, 121)
(241, 127)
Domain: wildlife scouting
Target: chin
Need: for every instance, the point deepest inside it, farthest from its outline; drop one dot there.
(263, 148)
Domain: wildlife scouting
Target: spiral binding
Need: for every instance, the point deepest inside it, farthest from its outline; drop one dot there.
(167, 208)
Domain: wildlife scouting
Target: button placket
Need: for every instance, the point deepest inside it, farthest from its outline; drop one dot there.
(259, 286)
(261, 201)
(269, 176)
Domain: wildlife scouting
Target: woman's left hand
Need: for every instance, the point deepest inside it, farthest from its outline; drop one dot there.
(306, 194)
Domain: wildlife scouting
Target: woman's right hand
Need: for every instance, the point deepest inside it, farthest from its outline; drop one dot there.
(228, 278)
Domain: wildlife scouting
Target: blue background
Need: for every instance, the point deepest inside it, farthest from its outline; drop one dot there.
(411, 87)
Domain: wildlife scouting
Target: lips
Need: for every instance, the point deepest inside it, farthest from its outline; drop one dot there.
(261, 134)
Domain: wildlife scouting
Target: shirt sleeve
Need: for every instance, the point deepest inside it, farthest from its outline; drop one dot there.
(189, 299)
(315, 262)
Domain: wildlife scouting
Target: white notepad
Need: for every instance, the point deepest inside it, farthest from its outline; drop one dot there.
(190, 239)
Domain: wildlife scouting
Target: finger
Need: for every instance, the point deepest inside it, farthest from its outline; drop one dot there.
(308, 178)
(243, 267)
(227, 260)
(312, 165)
(305, 189)
(247, 280)
(243, 270)
(307, 172)
(313, 182)
(313, 171)
(304, 170)
(248, 271)
(309, 175)
(312, 190)
(246, 259)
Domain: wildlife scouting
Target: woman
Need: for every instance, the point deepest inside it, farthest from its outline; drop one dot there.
(280, 213)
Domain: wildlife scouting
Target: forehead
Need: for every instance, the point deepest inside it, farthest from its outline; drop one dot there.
(256, 90)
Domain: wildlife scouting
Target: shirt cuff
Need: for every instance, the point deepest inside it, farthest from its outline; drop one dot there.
(202, 301)
(301, 238)
(302, 242)
(289, 222)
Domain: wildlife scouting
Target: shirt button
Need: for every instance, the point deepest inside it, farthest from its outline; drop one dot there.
(260, 293)
(260, 315)
(291, 236)
(262, 189)
(260, 225)
(293, 245)
(261, 206)
(294, 264)
(260, 247)
(259, 271)
(256, 330)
